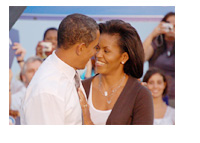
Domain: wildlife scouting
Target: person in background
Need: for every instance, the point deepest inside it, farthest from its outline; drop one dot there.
(157, 84)
(30, 67)
(17, 85)
(51, 96)
(159, 49)
(89, 70)
(50, 40)
(115, 96)
(13, 114)
(21, 52)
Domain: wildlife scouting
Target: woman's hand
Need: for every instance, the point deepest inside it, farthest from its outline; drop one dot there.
(144, 84)
(85, 108)
(39, 49)
(160, 29)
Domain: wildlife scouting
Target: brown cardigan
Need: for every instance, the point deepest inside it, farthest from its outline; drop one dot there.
(133, 107)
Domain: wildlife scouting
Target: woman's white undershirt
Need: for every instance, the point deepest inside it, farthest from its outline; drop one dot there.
(98, 117)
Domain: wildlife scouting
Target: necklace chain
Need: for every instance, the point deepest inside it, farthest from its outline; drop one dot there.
(105, 94)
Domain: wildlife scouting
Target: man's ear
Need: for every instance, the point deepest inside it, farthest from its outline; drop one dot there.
(80, 48)
(124, 57)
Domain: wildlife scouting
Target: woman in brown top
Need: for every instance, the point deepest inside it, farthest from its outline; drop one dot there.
(115, 96)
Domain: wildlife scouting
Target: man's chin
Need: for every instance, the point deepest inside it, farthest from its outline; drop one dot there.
(80, 68)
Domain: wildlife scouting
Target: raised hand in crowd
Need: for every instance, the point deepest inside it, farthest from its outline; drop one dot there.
(20, 52)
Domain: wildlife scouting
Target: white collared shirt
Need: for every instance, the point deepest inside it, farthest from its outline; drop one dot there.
(51, 97)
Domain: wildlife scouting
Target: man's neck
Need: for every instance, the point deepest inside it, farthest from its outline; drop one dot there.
(66, 56)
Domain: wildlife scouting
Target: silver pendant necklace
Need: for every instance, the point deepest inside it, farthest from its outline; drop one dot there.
(168, 53)
(113, 90)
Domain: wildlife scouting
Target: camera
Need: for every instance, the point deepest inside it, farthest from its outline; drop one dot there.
(168, 27)
(47, 48)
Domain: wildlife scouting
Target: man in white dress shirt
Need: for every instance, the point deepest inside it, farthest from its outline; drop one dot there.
(51, 96)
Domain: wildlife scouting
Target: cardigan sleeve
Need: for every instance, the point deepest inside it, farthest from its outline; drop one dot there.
(143, 113)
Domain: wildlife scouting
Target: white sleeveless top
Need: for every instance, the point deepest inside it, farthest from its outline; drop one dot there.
(98, 117)
(168, 119)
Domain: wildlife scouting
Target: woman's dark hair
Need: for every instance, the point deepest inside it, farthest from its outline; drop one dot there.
(49, 29)
(153, 71)
(160, 40)
(129, 41)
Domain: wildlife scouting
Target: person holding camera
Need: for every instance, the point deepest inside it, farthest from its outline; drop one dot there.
(48, 45)
(159, 49)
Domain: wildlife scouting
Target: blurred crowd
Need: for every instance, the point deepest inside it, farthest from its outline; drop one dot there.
(159, 50)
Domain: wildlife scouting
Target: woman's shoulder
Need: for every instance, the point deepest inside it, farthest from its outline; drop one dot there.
(170, 114)
(139, 91)
(170, 110)
(136, 84)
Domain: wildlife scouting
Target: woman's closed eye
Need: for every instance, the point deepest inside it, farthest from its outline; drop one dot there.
(106, 51)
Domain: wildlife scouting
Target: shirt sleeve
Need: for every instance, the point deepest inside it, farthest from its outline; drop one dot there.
(143, 112)
(44, 109)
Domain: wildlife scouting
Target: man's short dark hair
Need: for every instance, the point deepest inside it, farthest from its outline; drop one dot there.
(76, 28)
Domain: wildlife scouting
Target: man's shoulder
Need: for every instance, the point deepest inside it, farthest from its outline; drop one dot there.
(50, 82)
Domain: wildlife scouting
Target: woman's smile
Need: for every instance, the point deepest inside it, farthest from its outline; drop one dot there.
(99, 64)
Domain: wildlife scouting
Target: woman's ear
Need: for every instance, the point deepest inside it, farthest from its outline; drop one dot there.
(124, 58)
(80, 48)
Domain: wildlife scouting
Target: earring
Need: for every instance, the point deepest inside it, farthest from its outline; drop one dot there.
(122, 62)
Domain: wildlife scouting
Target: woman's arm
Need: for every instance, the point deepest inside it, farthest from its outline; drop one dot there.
(85, 108)
(148, 49)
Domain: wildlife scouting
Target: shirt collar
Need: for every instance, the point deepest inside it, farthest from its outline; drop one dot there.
(66, 69)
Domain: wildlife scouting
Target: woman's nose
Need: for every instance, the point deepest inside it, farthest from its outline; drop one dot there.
(155, 85)
(99, 54)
